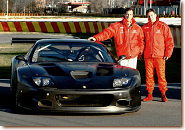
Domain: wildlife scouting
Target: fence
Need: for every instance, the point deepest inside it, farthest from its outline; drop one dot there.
(160, 10)
(21, 14)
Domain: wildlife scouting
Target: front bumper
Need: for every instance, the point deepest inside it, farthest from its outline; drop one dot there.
(80, 100)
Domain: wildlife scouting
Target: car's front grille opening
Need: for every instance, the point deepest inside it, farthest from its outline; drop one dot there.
(76, 100)
(44, 103)
(123, 102)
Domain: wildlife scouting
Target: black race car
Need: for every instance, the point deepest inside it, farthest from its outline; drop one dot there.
(74, 75)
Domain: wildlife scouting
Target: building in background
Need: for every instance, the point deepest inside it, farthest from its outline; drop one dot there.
(80, 6)
(61, 6)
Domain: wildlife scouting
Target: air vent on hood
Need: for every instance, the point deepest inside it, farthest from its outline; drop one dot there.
(104, 70)
(55, 71)
(81, 74)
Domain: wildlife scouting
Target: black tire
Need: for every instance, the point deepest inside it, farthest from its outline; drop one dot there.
(14, 100)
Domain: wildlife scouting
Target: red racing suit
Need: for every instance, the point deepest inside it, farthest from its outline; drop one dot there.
(129, 41)
(158, 44)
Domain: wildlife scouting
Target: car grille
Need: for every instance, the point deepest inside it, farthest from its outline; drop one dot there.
(84, 100)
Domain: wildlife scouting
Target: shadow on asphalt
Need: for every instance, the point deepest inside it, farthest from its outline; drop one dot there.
(173, 92)
(5, 100)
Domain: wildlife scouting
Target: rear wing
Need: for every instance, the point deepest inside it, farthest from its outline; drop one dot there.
(26, 40)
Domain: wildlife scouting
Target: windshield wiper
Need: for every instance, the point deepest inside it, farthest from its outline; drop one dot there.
(43, 47)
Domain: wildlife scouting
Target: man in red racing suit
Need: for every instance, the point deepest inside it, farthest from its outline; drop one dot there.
(158, 48)
(128, 38)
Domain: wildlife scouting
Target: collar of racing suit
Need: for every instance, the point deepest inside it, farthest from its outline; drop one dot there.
(150, 22)
(125, 22)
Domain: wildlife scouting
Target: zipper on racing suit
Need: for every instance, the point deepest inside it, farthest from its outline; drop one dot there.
(129, 41)
(152, 41)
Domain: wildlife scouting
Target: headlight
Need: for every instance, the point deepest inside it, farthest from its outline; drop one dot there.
(119, 82)
(43, 81)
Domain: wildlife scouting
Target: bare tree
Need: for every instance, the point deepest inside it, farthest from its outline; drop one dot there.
(1, 5)
(122, 3)
(125, 3)
(18, 6)
(96, 6)
(32, 7)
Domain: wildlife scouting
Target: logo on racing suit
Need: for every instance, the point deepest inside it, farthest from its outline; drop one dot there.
(121, 30)
(134, 31)
(158, 31)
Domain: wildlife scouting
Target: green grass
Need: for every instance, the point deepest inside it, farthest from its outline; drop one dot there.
(7, 52)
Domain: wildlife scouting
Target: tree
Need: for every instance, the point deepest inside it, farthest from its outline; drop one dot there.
(61, 8)
(97, 6)
(1, 6)
(32, 8)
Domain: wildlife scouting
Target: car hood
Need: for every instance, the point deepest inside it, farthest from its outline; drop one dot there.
(81, 75)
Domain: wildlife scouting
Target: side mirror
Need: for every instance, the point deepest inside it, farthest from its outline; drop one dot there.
(20, 57)
(122, 57)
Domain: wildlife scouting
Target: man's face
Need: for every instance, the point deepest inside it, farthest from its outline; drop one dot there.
(151, 16)
(129, 15)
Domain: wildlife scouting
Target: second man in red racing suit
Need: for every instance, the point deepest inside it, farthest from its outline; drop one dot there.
(158, 48)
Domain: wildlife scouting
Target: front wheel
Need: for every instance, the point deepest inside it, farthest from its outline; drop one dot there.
(14, 100)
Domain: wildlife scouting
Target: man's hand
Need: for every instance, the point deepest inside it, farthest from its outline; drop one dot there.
(165, 58)
(92, 39)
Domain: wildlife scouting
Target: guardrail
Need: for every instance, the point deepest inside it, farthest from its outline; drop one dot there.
(70, 27)
(54, 27)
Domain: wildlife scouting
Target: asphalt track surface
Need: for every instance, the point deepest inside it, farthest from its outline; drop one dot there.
(152, 114)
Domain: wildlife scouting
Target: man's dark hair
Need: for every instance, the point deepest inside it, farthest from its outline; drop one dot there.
(150, 10)
(128, 9)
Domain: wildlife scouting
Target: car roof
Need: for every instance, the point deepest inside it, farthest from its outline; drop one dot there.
(65, 40)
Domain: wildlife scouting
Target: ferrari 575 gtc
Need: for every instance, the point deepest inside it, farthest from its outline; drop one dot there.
(74, 76)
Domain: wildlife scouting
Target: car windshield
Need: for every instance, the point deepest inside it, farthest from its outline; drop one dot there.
(71, 52)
